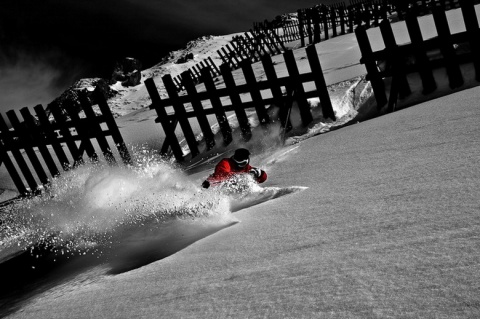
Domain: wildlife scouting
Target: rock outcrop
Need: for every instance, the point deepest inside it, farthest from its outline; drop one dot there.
(128, 71)
(68, 101)
(187, 57)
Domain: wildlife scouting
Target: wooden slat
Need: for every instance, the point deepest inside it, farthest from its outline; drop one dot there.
(254, 50)
(316, 26)
(233, 54)
(180, 113)
(300, 27)
(375, 79)
(95, 127)
(422, 62)
(39, 139)
(51, 136)
(168, 128)
(394, 58)
(255, 93)
(303, 105)
(214, 67)
(198, 109)
(320, 83)
(82, 132)
(471, 24)
(22, 164)
(112, 126)
(446, 46)
(236, 103)
(280, 48)
(325, 26)
(333, 19)
(17, 180)
(65, 131)
(276, 89)
(28, 146)
(217, 107)
(222, 56)
(263, 45)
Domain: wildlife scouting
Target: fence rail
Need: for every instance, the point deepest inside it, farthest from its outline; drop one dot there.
(38, 137)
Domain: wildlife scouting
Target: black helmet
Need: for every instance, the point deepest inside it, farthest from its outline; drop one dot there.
(241, 157)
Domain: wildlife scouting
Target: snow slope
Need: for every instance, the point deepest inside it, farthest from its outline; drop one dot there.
(383, 224)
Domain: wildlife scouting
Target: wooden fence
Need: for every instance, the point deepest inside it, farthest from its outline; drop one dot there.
(315, 24)
(270, 38)
(423, 7)
(219, 101)
(396, 57)
(38, 136)
(250, 46)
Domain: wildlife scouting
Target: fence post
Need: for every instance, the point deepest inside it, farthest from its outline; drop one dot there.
(309, 20)
(198, 109)
(325, 23)
(253, 49)
(280, 42)
(274, 86)
(17, 180)
(471, 24)
(181, 114)
(236, 103)
(215, 67)
(95, 126)
(237, 49)
(395, 58)
(341, 11)
(322, 90)
(167, 126)
(300, 28)
(65, 131)
(316, 26)
(27, 143)
(224, 60)
(303, 105)
(8, 141)
(422, 62)
(217, 107)
(255, 93)
(82, 132)
(350, 19)
(374, 77)
(446, 47)
(267, 43)
(112, 126)
(333, 19)
(51, 137)
(39, 140)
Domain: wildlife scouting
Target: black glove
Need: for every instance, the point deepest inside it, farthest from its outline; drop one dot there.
(206, 184)
(256, 172)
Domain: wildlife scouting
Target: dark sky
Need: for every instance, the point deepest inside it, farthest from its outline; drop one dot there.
(45, 45)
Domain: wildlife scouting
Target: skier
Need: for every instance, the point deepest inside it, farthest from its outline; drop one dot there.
(239, 163)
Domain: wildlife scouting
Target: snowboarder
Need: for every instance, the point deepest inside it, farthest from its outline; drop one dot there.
(239, 163)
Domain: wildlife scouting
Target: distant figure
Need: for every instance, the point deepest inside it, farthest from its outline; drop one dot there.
(239, 163)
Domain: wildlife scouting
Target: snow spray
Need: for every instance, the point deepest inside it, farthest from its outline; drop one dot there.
(98, 209)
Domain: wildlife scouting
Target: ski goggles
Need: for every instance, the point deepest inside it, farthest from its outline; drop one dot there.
(241, 163)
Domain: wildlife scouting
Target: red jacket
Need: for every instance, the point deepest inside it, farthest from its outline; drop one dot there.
(226, 168)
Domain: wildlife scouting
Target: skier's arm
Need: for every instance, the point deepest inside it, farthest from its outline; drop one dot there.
(259, 174)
